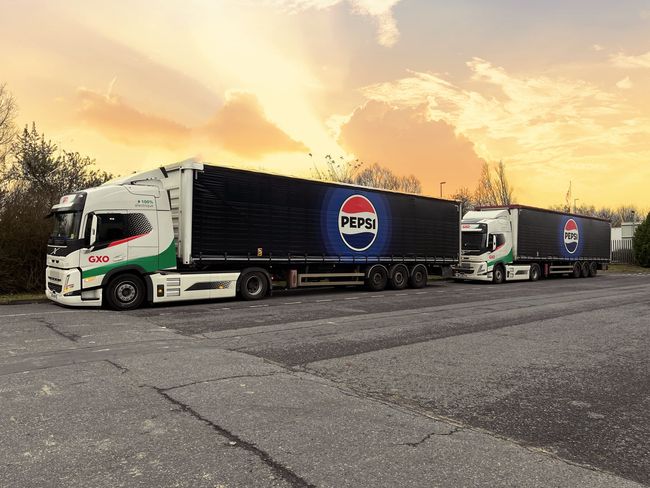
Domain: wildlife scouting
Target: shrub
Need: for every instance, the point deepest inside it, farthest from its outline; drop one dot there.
(641, 243)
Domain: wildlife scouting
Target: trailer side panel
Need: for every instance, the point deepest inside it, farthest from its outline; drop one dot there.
(244, 215)
(544, 235)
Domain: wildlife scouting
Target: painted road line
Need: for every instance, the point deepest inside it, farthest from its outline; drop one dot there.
(290, 303)
(352, 298)
(37, 313)
(321, 301)
(257, 306)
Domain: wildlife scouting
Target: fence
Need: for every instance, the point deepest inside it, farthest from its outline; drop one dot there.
(622, 251)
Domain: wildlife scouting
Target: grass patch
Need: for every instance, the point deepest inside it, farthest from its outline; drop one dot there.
(21, 297)
(627, 268)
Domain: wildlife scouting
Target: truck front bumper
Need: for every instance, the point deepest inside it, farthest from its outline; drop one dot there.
(472, 271)
(64, 286)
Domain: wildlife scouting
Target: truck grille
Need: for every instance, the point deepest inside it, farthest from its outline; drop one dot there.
(54, 287)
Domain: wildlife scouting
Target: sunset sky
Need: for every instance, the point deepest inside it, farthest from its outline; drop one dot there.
(558, 90)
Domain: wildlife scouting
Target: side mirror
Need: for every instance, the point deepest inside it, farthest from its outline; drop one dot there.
(493, 243)
(93, 231)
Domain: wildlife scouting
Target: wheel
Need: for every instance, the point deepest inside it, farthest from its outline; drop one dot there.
(253, 285)
(535, 272)
(584, 270)
(125, 292)
(399, 276)
(577, 271)
(498, 274)
(593, 269)
(419, 276)
(377, 278)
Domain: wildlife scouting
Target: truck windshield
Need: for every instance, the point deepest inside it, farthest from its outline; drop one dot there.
(66, 225)
(474, 242)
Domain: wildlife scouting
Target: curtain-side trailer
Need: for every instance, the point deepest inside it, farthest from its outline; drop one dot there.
(194, 231)
(518, 242)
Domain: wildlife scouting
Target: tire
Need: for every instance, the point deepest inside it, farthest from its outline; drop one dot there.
(377, 278)
(399, 277)
(125, 292)
(535, 272)
(419, 277)
(253, 285)
(584, 270)
(593, 269)
(498, 274)
(577, 271)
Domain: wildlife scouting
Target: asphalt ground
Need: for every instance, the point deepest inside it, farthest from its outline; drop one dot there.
(458, 384)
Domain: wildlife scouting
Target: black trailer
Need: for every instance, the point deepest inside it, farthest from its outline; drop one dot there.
(305, 233)
(547, 235)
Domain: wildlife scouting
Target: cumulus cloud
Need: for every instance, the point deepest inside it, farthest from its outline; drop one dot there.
(381, 11)
(622, 60)
(117, 120)
(541, 127)
(239, 127)
(409, 142)
(526, 119)
(625, 83)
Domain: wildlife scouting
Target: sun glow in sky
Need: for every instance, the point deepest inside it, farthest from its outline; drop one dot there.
(557, 90)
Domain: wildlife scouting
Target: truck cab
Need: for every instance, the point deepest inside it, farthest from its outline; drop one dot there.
(487, 248)
(106, 230)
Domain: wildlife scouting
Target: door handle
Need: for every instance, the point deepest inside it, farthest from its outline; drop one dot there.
(119, 258)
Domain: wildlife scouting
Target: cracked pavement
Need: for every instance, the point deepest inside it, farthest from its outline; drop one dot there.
(525, 384)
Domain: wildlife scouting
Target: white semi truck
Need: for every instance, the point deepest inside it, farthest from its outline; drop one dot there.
(517, 242)
(193, 231)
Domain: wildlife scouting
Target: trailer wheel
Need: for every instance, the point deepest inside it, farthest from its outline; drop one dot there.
(377, 278)
(535, 272)
(125, 292)
(419, 276)
(584, 270)
(253, 285)
(399, 276)
(593, 269)
(498, 274)
(577, 271)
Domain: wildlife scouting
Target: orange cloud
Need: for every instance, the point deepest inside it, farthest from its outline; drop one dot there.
(406, 141)
(116, 120)
(239, 127)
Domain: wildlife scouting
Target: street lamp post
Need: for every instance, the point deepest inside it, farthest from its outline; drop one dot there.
(441, 183)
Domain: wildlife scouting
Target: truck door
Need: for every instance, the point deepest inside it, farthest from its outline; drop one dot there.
(143, 243)
(109, 249)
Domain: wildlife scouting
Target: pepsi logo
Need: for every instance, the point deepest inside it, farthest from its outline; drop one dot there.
(571, 236)
(358, 223)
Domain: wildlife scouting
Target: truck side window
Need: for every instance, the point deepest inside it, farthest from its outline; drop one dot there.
(501, 240)
(110, 227)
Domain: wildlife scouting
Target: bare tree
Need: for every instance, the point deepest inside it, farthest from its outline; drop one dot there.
(341, 170)
(466, 197)
(357, 173)
(624, 213)
(376, 176)
(493, 189)
(485, 193)
(503, 188)
(8, 111)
